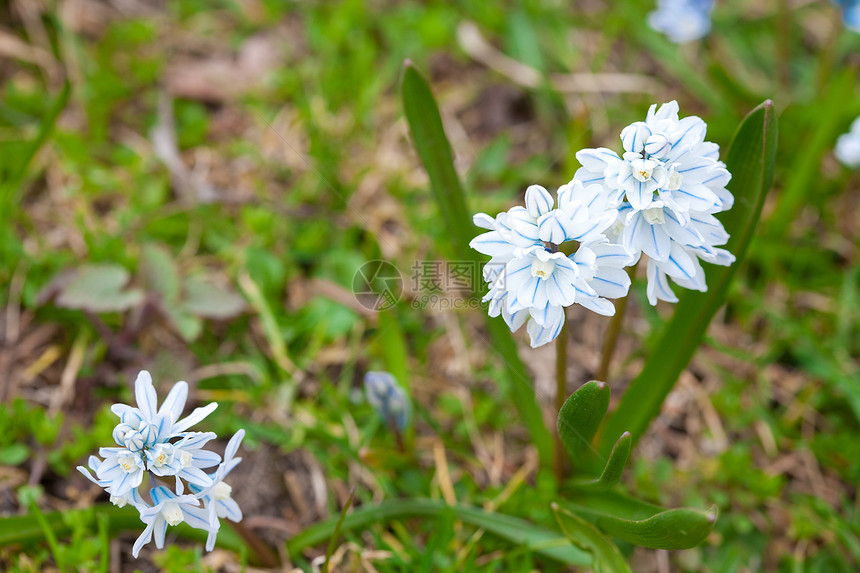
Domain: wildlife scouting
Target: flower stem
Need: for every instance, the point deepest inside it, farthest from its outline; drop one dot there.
(264, 555)
(784, 44)
(612, 333)
(561, 394)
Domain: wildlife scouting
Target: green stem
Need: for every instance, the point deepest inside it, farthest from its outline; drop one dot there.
(612, 332)
(561, 394)
(784, 44)
(827, 53)
(261, 550)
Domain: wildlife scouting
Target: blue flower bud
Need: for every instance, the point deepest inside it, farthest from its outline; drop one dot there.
(388, 398)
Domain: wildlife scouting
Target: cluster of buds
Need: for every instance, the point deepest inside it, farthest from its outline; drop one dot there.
(155, 442)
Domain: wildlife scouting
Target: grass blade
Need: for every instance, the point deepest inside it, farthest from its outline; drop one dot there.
(336, 533)
(428, 136)
(13, 184)
(750, 160)
(25, 529)
(542, 541)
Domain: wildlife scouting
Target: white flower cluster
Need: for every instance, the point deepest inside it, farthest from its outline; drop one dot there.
(682, 20)
(156, 442)
(658, 198)
(531, 280)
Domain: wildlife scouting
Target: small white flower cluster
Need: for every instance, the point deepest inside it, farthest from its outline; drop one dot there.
(156, 442)
(848, 146)
(682, 20)
(658, 198)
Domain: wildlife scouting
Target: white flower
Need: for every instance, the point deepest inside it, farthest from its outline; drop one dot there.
(666, 186)
(168, 509)
(848, 145)
(531, 280)
(157, 425)
(682, 20)
(121, 471)
(664, 158)
(158, 443)
(217, 500)
(387, 398)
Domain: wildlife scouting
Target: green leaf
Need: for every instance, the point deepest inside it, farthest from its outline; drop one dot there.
(433, 148)
(750, 160)
(607, 557)
(542, 541)
(205, 299)
(431, 143)
(186, 324)
(99, 288)
(642, 523)
(614, 465)
(14, 454)
(160, 273)
(580, 417)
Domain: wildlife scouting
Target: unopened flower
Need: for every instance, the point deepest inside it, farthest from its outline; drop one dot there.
(388, 398)
(682, 20)
(848, 145)
(156, 442)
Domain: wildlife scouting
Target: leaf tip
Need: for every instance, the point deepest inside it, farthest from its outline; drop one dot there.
(554, 506)
(407, 63)
(625, 435)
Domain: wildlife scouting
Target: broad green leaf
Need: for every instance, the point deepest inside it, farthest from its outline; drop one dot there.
(607, 557)
(204, 298)
(431, 143)
(186, 324)
(750, 160)
(99, 288)
(428, 136)
(13, 454)
(642, 523)
(614, 465)
(580, 417)
(542, 541)
(159, 272)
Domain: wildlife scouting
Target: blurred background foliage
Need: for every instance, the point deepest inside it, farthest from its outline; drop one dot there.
(190, 187)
